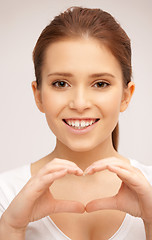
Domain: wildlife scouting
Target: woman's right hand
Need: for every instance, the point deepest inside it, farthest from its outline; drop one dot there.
(35, 200)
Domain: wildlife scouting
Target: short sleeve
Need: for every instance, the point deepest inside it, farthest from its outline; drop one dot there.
(3, 200)
(11, 182)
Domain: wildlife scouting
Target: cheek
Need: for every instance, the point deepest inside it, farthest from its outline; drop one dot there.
(110, 103)
(53, 104)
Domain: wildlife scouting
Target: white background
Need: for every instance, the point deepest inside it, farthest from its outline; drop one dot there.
(24, 134)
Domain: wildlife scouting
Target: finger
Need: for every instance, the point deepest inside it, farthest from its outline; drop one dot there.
(103, 165)
(37, 185)
(68, 206)
(133, 179)
(70, 170)
(63, 161)
(102, 204)
(104, 161)
(59, 206)
(50, 168)
(124, 174)
(41, 183)
(55, 168)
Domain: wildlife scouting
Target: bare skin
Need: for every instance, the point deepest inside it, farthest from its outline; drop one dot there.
(134, 197)
(86, 226)
(83, 80)
(89, 226)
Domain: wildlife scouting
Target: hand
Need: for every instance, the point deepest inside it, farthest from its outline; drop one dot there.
(35, 200)
(135, 194)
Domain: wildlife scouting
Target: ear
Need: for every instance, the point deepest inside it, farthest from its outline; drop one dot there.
(37, 96)
(127, 95)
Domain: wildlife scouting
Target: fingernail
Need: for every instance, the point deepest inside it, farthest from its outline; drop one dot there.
(86, 171)
(79, 171)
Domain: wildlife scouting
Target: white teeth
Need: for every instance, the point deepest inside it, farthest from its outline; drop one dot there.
(76, 124)
(70, 123)
(82, 123)
(79, 124)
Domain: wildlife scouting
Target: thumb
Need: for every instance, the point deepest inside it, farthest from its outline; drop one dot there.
(101, 204)
(69, 206)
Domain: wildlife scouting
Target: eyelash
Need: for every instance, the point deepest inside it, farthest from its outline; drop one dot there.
(103, 83)
(56, 84)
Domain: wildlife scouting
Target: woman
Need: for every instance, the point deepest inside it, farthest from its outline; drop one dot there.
(84, 189)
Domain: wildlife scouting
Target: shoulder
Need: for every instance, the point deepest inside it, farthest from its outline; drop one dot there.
(12, 181)
(145, 169)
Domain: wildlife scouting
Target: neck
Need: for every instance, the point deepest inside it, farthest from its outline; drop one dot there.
(84, 159)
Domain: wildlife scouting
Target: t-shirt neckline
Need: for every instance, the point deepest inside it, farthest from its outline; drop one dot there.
(119, 234)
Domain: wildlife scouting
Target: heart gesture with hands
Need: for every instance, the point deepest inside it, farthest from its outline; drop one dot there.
(35, 200)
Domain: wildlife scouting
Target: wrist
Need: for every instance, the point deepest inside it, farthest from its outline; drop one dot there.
(8, 232)
(148, 230)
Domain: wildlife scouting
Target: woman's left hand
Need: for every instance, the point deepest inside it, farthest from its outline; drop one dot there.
(135, 194)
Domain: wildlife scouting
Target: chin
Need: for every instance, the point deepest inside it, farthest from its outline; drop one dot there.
(80, 147)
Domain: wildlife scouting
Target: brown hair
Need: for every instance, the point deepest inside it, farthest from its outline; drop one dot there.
(78, 22)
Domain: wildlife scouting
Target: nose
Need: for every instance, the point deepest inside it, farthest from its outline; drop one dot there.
(80, 100)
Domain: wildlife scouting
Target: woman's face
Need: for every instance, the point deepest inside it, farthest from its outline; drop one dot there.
(82, 93)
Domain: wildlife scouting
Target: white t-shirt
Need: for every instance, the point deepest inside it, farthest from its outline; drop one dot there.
(11, 182)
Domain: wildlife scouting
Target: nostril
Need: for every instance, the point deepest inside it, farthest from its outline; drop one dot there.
(79, 103)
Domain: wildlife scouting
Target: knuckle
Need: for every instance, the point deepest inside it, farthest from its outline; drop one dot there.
(95, 163)
(53, 176)
(137, 170)
(134, 176)
(74, 164)
(46, 167)
(55, 160)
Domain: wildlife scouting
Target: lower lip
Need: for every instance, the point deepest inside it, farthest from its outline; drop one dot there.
(81, 131)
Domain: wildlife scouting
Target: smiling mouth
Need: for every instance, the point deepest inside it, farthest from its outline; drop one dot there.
(81, 123)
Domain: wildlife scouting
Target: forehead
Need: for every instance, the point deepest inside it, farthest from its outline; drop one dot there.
(80, 55)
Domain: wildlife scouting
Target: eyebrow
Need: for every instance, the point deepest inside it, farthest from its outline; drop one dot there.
(60, 74)
(95, 75)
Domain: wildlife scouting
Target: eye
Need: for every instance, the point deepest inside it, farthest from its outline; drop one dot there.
(101, 84)
(60, 84)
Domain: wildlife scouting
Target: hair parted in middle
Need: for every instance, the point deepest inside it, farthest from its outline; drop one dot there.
(78, 22)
